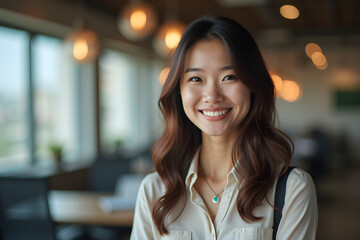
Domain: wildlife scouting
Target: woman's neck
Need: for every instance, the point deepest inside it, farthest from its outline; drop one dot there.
(215, 156)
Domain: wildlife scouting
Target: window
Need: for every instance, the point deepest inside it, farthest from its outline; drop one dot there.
(118, 101)
(39, 98)
(129, 91)
(14, 134)
(54, 90)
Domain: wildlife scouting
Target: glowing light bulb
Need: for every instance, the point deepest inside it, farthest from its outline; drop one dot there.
(322, 67)
(290, 91)
(311, 48)
(172, 38)
(168, 37)
(318, 58)
(163, 75)
(138, 20)
(80, 49)
(289, 12)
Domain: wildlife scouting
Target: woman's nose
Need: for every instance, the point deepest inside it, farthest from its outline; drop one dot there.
(212, 94)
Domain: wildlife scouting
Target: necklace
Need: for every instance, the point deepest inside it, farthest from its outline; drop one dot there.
(216, 198)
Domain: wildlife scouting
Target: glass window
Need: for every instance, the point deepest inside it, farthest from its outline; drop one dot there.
(54, 90)
(118, 103)
(14, 48)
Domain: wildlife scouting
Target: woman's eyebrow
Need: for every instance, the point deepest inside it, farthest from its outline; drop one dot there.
(192, 69)
(226, 68)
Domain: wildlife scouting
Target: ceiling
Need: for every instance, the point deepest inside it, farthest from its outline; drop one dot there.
(317, 17)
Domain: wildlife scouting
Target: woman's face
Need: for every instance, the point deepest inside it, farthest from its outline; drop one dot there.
(213, 97)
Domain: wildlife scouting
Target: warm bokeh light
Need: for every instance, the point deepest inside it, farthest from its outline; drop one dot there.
(138, 20)
(163, 75)
(290, 91)
(80, 49)
(311, 48)
(324, 66)
(318, 58)
(289, 12)
(172, 38)
(168, 37)
(277, 83)
(83, 44)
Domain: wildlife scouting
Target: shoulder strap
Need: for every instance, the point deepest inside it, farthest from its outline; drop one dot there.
(280, 199)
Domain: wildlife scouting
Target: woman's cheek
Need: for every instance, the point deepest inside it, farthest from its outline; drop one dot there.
(189, 97)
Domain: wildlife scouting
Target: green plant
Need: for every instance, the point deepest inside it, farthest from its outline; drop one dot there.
(118, 144)
(55, 148)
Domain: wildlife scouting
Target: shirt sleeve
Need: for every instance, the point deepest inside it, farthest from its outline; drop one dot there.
(143, 224)
(300, 215)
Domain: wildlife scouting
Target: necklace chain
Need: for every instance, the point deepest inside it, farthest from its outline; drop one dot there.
(216, 198)
(216, 194)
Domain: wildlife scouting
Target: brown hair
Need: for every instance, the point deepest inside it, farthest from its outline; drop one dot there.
(261, 150)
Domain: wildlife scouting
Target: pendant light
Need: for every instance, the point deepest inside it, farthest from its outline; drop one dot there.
(137, 20)
(168, 36)
(83, 43)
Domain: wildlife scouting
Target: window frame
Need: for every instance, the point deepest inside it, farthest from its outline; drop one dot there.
(30, 97)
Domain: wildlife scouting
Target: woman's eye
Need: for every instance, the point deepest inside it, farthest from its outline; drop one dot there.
(230, 77)
(195, 79)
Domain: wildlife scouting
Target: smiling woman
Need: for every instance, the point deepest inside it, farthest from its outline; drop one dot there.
(213, 97)
(219, 158)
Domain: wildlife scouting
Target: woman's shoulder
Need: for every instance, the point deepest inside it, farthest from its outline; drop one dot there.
(152, 177)
(299, 181)
(299, 175)
(153, 185)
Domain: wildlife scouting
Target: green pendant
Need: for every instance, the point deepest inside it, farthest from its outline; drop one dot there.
(215, 199)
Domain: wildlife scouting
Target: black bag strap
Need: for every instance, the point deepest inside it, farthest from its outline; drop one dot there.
(280, 199)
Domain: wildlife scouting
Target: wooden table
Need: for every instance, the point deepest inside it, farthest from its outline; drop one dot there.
(80, 207)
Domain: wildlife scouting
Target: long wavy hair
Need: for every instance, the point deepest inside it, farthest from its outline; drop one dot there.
(261, 150)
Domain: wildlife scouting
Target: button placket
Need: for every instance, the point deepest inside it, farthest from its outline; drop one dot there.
(224, 204)
(211, 236)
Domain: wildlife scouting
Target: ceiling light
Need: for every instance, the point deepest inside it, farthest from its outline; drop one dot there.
(290, 91)
(168, 37)
(137, 21)
(318, 58)
(84, 44)
(311, 48)
(323, 66)
(289, 12)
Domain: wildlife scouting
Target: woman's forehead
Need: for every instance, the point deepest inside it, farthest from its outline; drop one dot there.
(206, 53)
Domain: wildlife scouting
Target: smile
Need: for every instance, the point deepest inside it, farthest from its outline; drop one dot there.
(215, 113)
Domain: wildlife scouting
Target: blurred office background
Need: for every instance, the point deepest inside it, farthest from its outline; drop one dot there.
(96, 101)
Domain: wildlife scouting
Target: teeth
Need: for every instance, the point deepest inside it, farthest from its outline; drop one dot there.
(215, 114)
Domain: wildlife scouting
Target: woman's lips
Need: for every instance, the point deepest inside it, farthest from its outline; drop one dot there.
(215, 114)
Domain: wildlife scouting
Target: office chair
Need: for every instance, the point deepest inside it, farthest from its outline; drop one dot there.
(24, 210)
(102, 178)
(105, 172)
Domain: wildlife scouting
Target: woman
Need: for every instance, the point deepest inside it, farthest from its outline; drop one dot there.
(220, 156)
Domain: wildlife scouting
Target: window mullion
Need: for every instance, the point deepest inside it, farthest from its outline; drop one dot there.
(31, 105)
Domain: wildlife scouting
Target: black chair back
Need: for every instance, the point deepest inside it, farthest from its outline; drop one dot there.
(105, 172)
(24, 209)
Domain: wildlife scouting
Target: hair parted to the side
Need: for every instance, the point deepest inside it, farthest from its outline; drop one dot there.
(261, 150)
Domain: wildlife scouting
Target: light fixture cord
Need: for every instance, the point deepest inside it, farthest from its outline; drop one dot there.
(79, 22)
(171, 10)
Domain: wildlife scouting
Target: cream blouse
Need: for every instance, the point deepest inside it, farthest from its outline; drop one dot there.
(299, 220)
